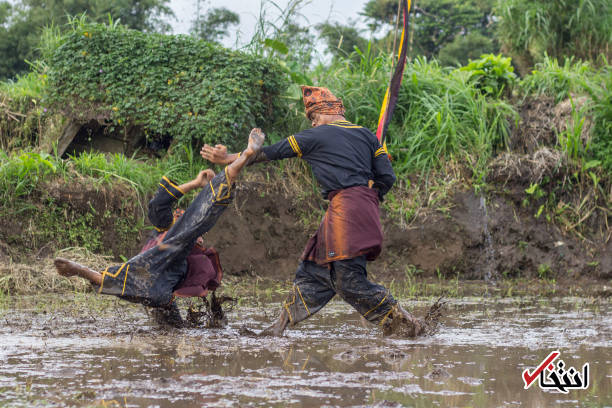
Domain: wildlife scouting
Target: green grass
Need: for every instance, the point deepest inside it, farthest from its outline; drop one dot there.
(31, 86)
(440, 115)
(559, 81)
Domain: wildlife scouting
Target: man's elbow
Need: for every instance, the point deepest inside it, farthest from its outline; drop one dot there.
(389, 180)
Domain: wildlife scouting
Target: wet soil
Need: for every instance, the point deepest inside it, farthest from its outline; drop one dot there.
(101, 352)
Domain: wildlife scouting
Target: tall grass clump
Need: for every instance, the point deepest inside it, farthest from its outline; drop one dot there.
(560, 28)
(440, 115)
(24, 172)
(21, 173)
(601, 146)
(22, 115)
(117, 167)
(559, 81)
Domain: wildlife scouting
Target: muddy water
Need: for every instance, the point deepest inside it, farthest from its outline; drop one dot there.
(114, 356)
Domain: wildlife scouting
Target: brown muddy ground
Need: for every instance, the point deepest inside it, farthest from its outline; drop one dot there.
(96, 351)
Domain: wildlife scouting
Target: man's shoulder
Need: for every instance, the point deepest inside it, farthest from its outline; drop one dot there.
(356, 129)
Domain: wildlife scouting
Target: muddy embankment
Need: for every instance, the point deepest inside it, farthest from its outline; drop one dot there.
(264, 231)
(480, 238)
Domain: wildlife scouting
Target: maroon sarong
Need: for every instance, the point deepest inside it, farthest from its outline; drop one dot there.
(350, 228)
(204, 272)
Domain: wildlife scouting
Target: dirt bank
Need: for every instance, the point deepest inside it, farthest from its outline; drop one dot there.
(481, 237)
(264, 231)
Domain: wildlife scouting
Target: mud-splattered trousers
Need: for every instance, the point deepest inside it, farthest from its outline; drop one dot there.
(151, 277)
(334, 260)
(315, 285)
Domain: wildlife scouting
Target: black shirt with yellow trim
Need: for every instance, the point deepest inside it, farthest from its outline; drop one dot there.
(160, 206)
(341, 155)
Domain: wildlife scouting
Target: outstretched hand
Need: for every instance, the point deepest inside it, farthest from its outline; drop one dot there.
(215, 154)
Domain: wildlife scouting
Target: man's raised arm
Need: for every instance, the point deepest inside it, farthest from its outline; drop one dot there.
(218, 154)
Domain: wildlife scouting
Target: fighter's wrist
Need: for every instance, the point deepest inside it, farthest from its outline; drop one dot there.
(230, 158)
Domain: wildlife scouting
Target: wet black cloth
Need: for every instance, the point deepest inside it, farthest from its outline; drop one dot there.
(151, 276)
(315, 285)
(341, 155)
(204, 272)
(160, 206)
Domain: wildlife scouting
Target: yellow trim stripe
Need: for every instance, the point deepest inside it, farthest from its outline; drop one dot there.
(286, 305)
(301, 297)
(168, 190)
(385, 318)
(346, 126)
(380, 151)
(294, 145)
(173, 185)
(376, 307)
(105, 274)
(125, 279)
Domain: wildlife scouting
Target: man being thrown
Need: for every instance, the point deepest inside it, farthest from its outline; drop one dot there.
(355, 173)
(159, 273)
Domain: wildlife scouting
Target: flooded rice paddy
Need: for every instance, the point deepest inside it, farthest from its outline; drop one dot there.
(56, 352)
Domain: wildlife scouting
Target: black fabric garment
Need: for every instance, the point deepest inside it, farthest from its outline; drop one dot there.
(160, 206)
(315, 285)
(151, 276)
(341, 155)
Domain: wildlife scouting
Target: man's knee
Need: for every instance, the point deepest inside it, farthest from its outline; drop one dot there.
(351, 274)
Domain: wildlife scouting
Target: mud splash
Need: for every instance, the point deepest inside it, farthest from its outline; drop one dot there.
(113, 355)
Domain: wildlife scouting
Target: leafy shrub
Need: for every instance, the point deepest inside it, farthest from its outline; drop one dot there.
(188, 89)
(534, 28)
(439, 113)
(491, 74)
(601, 146)
(555, 80)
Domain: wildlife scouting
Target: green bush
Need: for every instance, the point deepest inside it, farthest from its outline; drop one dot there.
(492, 74)
(188, 89)
(557, 81)
(601, 146)
(439, 114)
(559, 28)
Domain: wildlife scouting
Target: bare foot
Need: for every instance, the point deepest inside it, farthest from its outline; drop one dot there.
(256, 140)
(277, 329)
(65, 267)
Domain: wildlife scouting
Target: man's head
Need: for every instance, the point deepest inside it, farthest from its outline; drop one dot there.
(321, 105)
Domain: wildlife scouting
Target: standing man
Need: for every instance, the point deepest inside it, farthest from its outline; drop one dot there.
(354, 173)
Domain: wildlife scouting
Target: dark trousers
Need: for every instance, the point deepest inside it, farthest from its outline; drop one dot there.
(315, 285)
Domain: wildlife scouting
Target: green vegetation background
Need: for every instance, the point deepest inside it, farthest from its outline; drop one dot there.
(451, 112)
